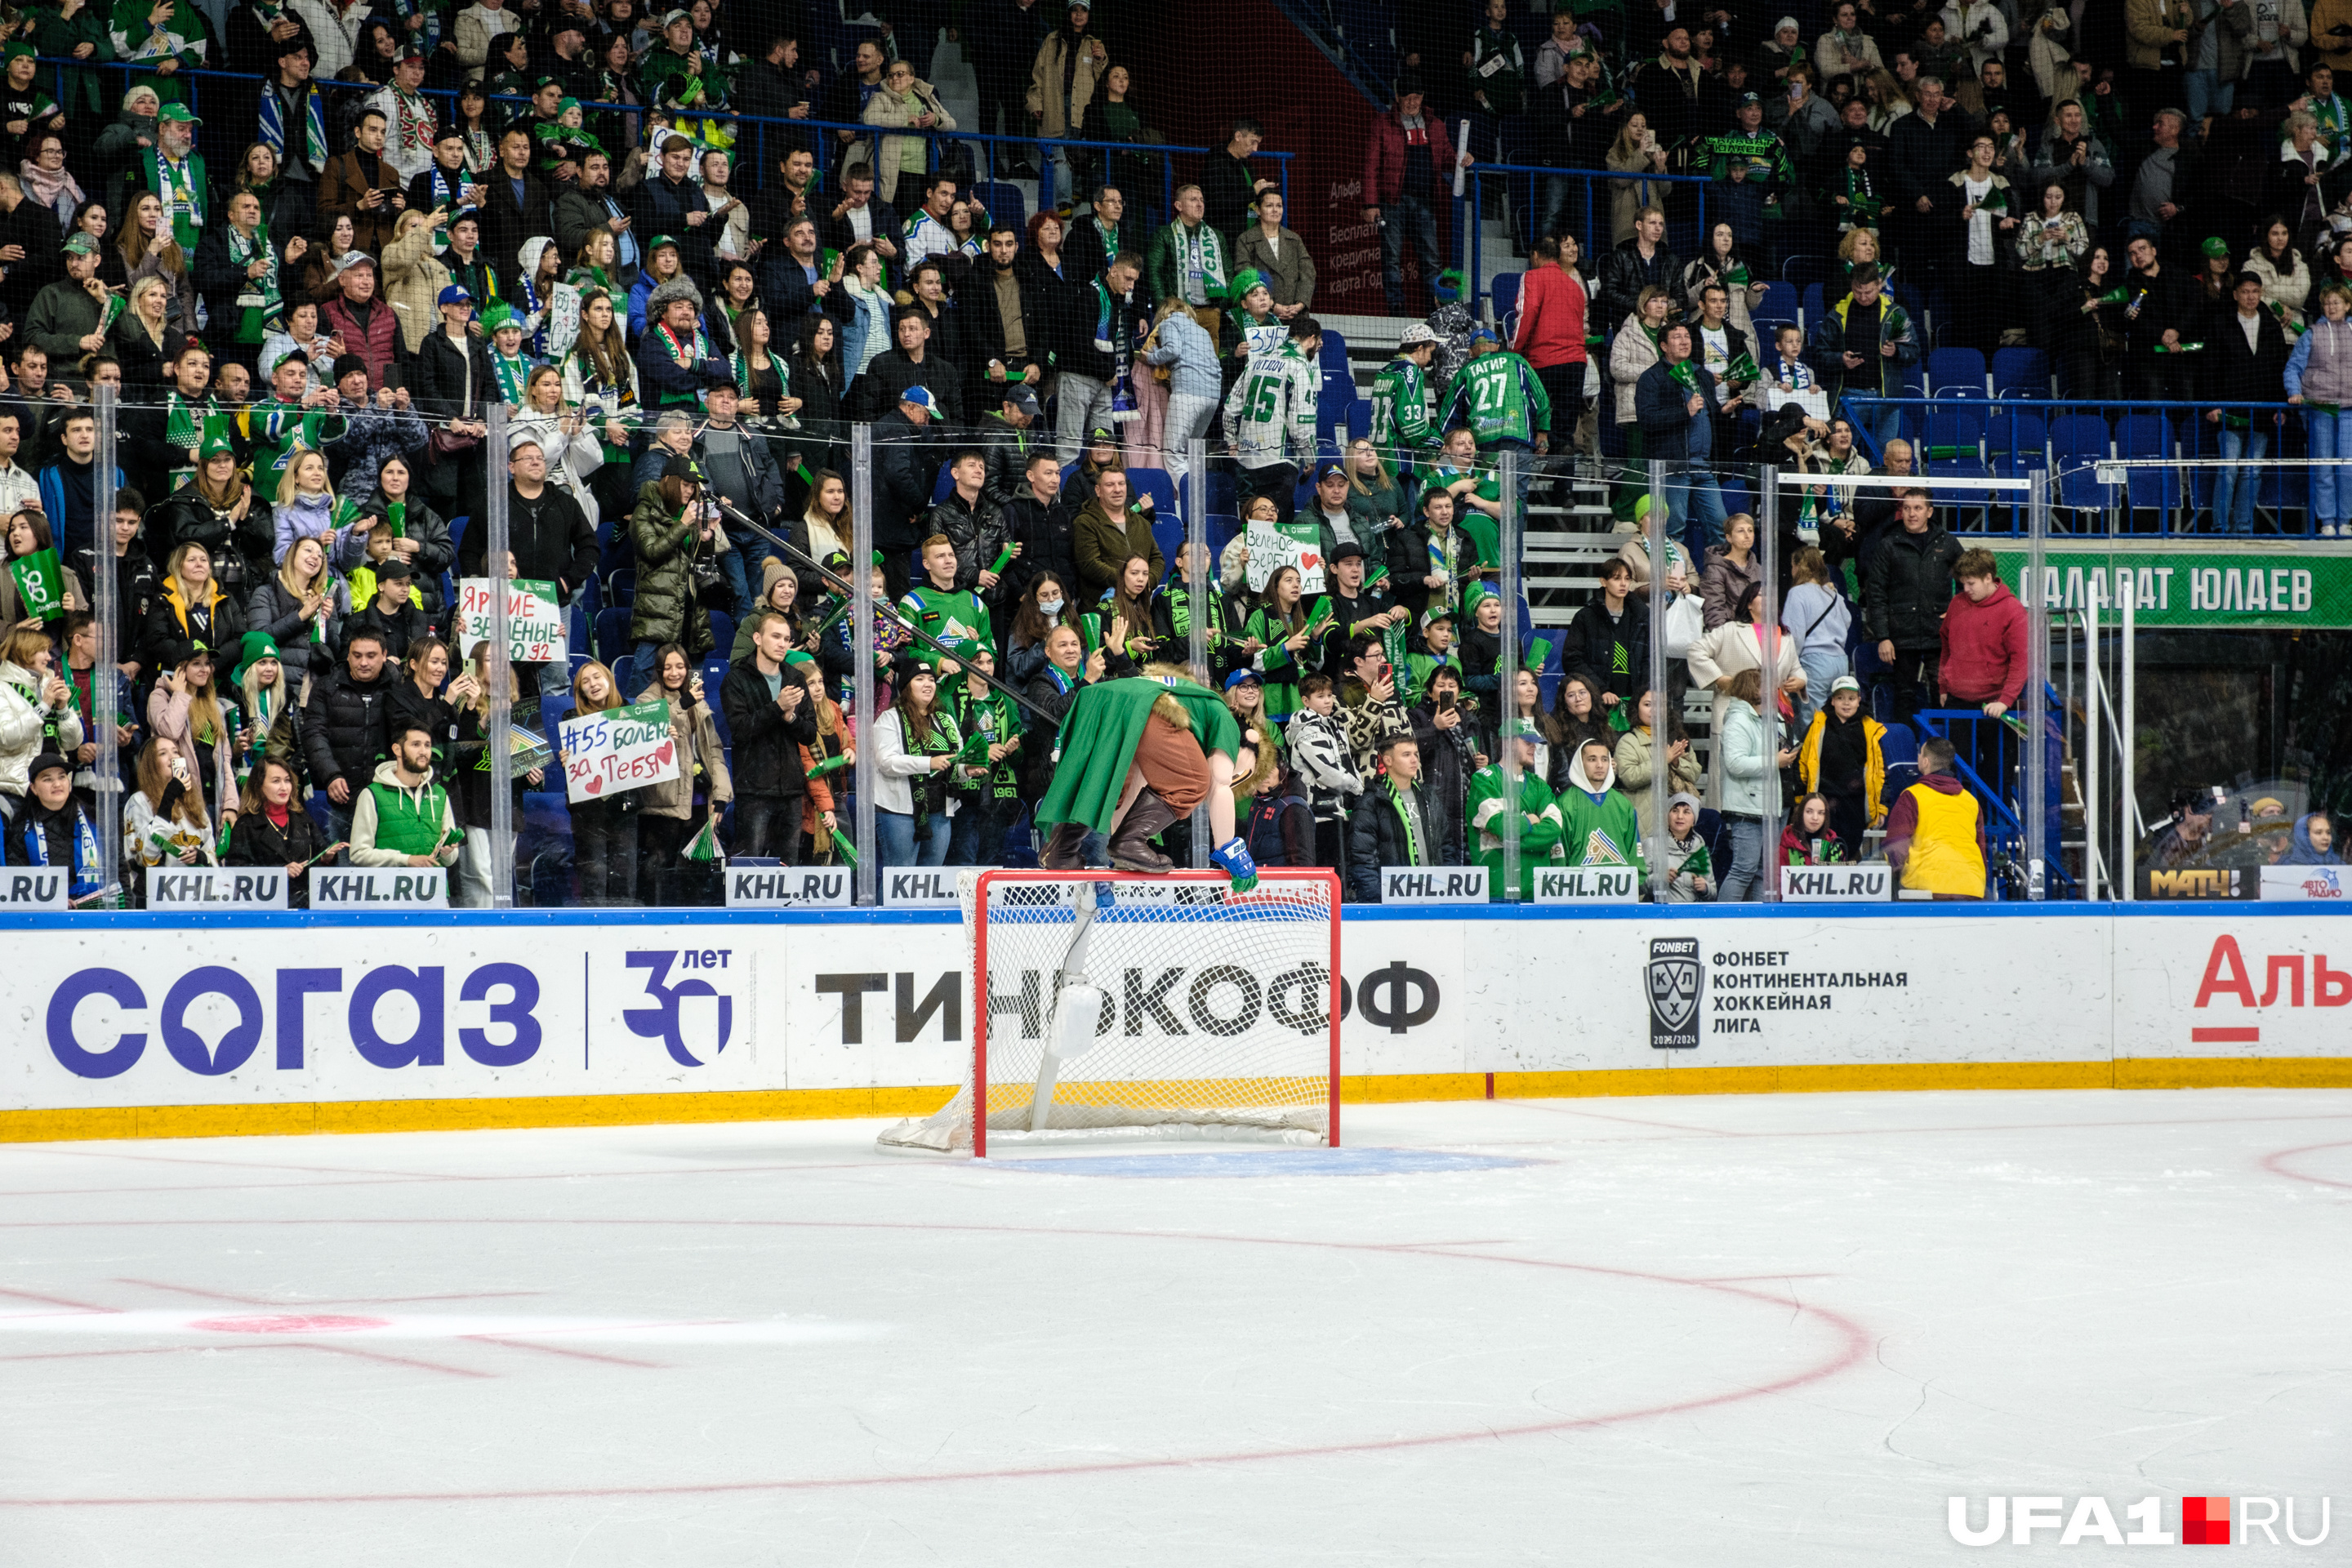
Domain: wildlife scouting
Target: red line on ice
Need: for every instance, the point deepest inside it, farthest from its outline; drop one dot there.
(1853, 1347)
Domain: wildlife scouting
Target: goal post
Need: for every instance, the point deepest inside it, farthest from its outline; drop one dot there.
(1111, 1006)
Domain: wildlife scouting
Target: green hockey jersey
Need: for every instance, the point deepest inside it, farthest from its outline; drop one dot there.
(1488, 804)
(1400, 425)
(1499, 398)
(947, 616)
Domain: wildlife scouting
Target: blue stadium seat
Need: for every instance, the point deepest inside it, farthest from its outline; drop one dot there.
(2143, 436)
(612, 635)
(2020, 373)
(553, 706)
(1160, 486)
(1359, 419)
(1814, 305)
(625, 672)
(1779, 303)
(2081, 436)
(623, 587)
(1956, 370)
(1505, 293)
(941, 486)
(723, 634)
(1168, 534)
(1222, 529)
(2016, 439)
(1005, 203)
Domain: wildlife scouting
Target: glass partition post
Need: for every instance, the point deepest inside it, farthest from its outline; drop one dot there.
(861, 641)
(1200, 578)
(105, 705)
(2035, 711)
(1507, 674)
(2089, 755)
(500, 736)
(2126, 714)
(1768, 538)
(1663, 721)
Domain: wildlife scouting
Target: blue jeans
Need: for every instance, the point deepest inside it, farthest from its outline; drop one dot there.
(894, 838)
(2233, 489)
(1820, 665)
(1885, 423)
(2208, 94)
(1746, 873)
(1692, 497)
(738, 572)
(2331, 489)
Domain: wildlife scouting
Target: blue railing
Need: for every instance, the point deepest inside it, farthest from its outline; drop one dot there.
(1530, 181)
(757, 164)
(1962, 434)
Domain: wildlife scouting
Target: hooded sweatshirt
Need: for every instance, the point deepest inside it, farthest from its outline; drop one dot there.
(1596, 819)
(1984, 649)
(391, 821)
(2303, 853)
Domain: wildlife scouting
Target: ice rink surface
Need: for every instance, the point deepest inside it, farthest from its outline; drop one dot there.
(1778, 1329)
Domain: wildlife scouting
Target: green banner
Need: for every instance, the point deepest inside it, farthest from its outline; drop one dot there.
(2283, 585)
(40, 585)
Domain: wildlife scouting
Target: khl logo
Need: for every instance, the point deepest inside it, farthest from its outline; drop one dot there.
(2204, 1522)
(661, 1021)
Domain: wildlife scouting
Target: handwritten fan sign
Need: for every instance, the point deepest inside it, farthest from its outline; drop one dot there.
(1274, 545)
(534, 620)
(619, 749)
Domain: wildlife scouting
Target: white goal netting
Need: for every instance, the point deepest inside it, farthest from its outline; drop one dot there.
(1108, 1005)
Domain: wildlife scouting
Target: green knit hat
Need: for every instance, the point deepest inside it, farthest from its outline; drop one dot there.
(1247, 279)
(256, 646)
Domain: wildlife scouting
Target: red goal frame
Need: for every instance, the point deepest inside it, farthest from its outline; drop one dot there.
(991, 878)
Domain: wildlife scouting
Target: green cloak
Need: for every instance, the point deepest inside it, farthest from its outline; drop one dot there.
(1099, 736)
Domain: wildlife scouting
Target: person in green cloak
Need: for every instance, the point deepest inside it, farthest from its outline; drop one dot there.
(1137, 755)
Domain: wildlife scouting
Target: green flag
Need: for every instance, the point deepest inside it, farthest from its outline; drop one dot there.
(703, 847)
(40, 585)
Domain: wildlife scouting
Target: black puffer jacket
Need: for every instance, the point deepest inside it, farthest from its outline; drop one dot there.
(1048, 537)
(978, 532)
(1906, 586)
(256, 841)
(766, 751)
(343, 726)
(1008, 452)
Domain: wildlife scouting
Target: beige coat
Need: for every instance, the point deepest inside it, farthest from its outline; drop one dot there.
(412, 281)
(1629, 354)
(1290, 278)
(1634, 776)
(697, 743)
(1046, 80)
(886, 108)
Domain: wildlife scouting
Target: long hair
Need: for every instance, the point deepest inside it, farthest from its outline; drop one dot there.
(204, 715)
(226, 498)
(661, 662)
(1029, 627)
(827, 364)
(480, 705)
(280, 695)
(154, 778)
(1272, 606)
(320, 584)
(1135, 607)
(612, 687)
(133, 248)
(915, 725)
(606, 353)
(422, 650)
(249, 799)
(289, 483)
(1388, 475)
(36, 520)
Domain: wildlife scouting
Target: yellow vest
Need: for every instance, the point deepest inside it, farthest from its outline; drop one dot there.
(1944, 854)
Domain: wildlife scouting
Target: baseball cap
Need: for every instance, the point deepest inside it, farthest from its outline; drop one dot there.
(455, 294)
(521, 437)
(394, 568)
(43, 762)
(680, 466)
(1748, 98)
(80, 244)
(1844, 683)
(1023, 399)
(179, 114)
(350, 258)
(1344, 550)
(1324, 471)
(1237, 677)
(920, 396)
(2215, 246)
(1417, 333)
(1483, 333)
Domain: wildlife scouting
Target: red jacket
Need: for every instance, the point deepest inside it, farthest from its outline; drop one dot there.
(1552, 318)
(1984, 649)
(1384, 159)
(375, 345)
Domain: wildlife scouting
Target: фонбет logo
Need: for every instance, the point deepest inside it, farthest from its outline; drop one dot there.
(2204, 1522)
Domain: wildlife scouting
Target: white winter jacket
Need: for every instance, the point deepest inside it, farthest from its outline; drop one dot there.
(23, 722)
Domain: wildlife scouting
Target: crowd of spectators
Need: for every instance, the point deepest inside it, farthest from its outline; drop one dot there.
(307, 345)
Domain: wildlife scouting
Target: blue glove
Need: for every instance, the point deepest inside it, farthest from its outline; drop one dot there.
(1234, 857)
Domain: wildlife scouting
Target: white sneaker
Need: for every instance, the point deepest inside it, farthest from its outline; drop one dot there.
(2327, 530)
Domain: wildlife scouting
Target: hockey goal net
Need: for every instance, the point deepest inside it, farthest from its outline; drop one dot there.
(1106, 1005)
